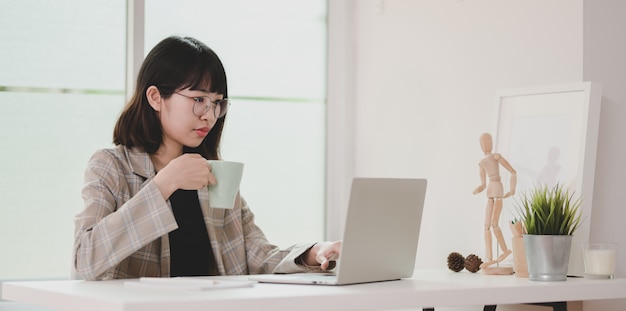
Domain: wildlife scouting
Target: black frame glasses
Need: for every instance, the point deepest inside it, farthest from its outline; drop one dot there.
(200, 105)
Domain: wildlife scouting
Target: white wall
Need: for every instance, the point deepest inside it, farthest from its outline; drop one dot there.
(605, 61)
(422, 79)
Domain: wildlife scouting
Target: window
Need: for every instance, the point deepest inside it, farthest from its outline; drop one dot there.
(62, 86)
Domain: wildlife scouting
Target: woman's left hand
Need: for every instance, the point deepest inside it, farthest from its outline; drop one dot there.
(323, 254)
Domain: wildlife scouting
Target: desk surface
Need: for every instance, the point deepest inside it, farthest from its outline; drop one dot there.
(427, 288)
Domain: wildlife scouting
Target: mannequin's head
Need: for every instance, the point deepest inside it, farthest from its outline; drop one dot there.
(486, 142)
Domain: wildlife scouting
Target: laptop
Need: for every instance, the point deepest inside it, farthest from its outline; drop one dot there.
(380, 235)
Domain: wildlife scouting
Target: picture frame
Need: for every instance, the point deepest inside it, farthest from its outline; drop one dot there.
(549, 134)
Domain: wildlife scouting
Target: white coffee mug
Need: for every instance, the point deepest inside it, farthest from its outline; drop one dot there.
(228, 175)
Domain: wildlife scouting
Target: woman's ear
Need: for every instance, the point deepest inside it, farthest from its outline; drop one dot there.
(154, 97)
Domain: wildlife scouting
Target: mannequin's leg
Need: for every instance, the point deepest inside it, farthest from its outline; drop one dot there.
(487, 233)
(497, 210)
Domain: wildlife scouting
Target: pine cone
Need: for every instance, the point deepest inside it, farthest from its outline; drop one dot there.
(456, 262)
(472, 263)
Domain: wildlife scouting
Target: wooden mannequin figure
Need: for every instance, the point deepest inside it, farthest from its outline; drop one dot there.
(490, 168)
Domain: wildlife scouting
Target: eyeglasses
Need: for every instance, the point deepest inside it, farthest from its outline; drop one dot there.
(202, 104)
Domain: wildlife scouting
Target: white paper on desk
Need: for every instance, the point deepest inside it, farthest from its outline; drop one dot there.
(185, 283)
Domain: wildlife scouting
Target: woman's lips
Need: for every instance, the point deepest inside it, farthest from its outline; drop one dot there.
(203, 131)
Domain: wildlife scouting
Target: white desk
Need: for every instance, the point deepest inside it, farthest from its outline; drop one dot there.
(427, 288)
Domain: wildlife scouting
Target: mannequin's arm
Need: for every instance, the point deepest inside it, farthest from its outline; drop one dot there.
(513, 182)
(483, 180)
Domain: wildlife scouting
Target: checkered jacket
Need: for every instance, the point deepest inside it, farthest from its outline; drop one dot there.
(123, 229)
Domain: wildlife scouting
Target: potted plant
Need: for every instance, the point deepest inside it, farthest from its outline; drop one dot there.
(550, 217)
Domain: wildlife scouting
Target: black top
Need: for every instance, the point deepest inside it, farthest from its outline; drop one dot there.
(190, 248)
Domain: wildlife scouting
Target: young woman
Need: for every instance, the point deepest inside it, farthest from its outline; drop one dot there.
(146, 200)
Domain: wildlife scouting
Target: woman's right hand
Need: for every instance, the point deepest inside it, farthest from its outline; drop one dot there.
(188, 171)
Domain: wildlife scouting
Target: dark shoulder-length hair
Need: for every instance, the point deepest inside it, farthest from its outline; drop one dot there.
(174, 64)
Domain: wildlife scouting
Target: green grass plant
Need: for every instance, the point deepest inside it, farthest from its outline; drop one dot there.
(549, 211)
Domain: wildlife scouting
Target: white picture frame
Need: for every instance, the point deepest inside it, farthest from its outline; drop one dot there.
(550, 134)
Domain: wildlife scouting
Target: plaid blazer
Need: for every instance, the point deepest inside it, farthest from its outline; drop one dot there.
(123, 229)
